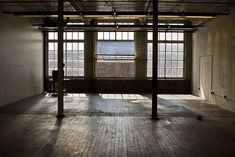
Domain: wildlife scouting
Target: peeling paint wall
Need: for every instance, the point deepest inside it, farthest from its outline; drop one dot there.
(21, 59)
(217, 39)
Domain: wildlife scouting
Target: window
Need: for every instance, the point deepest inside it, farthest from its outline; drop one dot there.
(170, 54)
(115, 55)
(73, 53)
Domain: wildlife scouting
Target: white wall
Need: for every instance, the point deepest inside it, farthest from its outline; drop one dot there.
(217, 39)
(21, 59)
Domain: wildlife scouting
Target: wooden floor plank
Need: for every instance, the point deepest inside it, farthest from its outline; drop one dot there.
(98, 127)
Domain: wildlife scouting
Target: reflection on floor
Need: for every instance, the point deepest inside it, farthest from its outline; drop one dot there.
(116, 125)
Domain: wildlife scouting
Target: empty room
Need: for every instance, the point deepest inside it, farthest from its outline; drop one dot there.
(117, 78)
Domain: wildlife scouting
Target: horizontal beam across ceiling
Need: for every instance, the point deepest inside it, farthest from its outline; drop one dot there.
(96, 13)
(134, 1)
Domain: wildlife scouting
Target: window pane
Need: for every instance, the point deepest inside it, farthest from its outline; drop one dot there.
(81, 35)
(75, 35)
(150, 47)
(162, 36)
(150, 35)
(69, 36)
(124, 35)
(106, 35)
(180, 47)
(119, 35)
(174, 36)
(51, 46)
(100, 35)
(162, 47)
(81, 46)
(69, 46)
(181, 36)
(51, 35)
(131, 36)
(168, 36)
(168, 47)
(112, 35)
(174, 47)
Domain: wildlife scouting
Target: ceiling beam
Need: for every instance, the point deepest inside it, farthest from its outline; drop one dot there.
(103, 13)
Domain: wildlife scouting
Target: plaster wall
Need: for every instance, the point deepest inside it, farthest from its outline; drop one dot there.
(21, 59)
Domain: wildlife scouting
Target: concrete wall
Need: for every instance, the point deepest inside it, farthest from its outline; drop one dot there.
(217, 39)
(21, 59)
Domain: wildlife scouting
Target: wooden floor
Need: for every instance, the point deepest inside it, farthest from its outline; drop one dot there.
(116, 125)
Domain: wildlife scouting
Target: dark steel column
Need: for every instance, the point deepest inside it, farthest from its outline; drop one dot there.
(155, 60)
(60, 58)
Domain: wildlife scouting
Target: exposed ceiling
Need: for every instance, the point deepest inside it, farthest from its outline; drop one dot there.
(198, 11)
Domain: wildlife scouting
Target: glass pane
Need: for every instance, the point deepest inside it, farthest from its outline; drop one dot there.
(161, 55)
(69, 55)
(119, 35)
(81, 71)
(131, 36)
(106, 35)
(168, 55)
(69, 46)
(174, 55)
(69, 72)
(75, 46)
(174, 64)
(168, 64)
(75, 72)
(161, 64)
(168, 36)
(174, 36)
(180, 47)
(162, 47)
(174, 72)
(51, 46)
(168, 72)
(168, 47)
(180, 72)
(112, 35)
(161, 72)
(180, 36)
(149, 64)
(162, 36)
(80, 63)
(180, 64)
(69, 64)
(51, 36)
(150, 47)
(124, 35)
(180, 56)
(149, 72)
(100, 35)
(150, 35)
(174, 47)
(69, 36)
(81, 46)
(75, 35)
(81, 35)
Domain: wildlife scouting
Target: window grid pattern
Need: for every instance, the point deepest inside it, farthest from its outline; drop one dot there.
(73, 53)
(170, 54)
(116, 36)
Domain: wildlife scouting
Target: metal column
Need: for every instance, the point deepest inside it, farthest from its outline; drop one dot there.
(155, 61)
(60, 59)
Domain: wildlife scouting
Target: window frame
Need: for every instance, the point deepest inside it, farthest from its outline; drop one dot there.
(165, 67)
(55, 40)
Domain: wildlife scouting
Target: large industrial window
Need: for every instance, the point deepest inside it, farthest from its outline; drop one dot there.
(170, 54)
(115, 55)
(73, 53)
